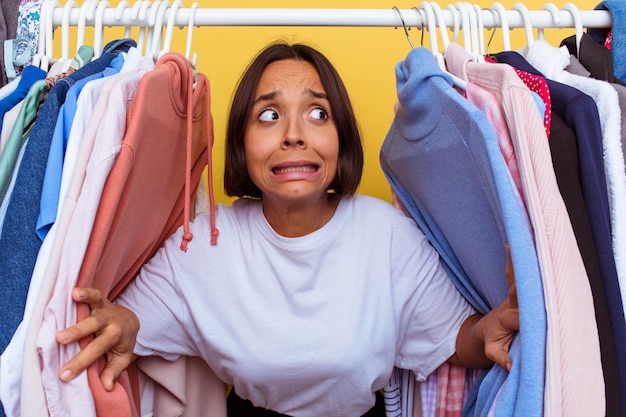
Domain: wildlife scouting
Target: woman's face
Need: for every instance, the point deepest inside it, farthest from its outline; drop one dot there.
(291, 140)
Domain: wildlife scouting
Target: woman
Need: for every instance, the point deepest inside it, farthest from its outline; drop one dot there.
(314, 293)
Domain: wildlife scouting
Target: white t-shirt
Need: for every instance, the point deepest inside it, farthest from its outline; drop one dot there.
(307, 326)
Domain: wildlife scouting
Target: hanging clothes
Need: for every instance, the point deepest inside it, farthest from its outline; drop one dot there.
(54, 166)
(580, 112)
(496, 386)
(490, 102)
(11, 158)
(114, 253)
(553, 62)
(79, 184)
(119, 93)
(560, 287)
(438, 193)
(597, 61)
(13, 356)
(18, 246)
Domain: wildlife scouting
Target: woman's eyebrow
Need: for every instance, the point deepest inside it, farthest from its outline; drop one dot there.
(266, 97)
(308, 91)
(316, 94)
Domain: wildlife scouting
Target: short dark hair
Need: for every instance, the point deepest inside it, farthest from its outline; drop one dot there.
(237, 182)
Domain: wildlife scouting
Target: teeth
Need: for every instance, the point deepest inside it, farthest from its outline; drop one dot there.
(305, 168)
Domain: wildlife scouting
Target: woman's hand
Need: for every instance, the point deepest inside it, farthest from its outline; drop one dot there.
(115, 329)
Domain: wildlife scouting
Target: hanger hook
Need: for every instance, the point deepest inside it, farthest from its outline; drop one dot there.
(465, 26)
(473, 20)
(422, 24)
(432, 28)
(119, 10)
(493, 29)
(192, 16)
(49, 35)
(87, 11)
(65, 30)
(158, 27)
(99, 28)
(578, 23)
(406, 31)
(41, 38)
(119, 14)
(504, 24)
(455, 21)
(443, 30)
(169, 31)
(521, 7)
(556, 18)
(481, 30)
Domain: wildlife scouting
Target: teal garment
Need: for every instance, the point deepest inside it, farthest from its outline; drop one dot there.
(83, 55)
(19, 133)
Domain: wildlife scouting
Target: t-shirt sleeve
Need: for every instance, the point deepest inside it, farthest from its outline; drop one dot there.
(431, 310)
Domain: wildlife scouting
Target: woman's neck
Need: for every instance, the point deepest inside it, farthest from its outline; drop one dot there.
(296, 219)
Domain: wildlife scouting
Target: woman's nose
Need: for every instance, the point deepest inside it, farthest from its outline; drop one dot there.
(293, 135)
(291, 141)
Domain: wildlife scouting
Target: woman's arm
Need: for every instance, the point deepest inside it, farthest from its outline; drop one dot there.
(483, 340)
(116, 329)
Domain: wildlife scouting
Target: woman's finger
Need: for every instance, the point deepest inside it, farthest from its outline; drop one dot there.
(99, 346)
(90, 325)
(87, 295)
(116, 364)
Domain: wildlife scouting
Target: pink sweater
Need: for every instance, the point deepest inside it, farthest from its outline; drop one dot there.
(147, 194)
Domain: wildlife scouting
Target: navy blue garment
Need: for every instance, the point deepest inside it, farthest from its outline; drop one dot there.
(580, 112)
(30, 74)
(19, 243)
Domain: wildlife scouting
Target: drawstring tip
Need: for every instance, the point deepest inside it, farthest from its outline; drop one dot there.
(187, 237)
(214, 234)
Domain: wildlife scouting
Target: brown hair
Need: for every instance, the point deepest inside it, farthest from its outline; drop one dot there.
(237, 182)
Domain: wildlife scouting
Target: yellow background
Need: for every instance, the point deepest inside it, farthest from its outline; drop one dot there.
(365, 58)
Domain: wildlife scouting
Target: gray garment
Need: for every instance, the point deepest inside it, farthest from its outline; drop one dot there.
(9, 11)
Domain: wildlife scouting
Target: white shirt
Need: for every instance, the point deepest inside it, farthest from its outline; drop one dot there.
(305, 326)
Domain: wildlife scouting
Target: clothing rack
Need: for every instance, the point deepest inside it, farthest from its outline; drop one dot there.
(156, 15)
(128, 16)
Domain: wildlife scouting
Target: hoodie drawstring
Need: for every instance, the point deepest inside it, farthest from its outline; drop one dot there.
(187, 235)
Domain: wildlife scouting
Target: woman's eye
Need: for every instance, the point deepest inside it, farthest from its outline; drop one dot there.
(319, 113)
(268, 115)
